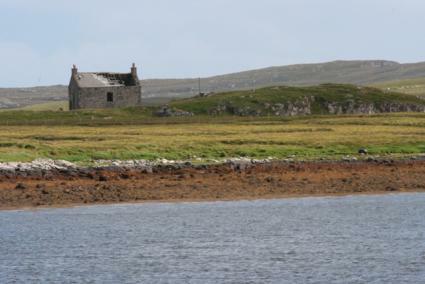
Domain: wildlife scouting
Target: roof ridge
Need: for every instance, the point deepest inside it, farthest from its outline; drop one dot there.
(127, 73)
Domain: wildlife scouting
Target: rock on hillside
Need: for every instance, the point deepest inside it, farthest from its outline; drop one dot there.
(291, 101)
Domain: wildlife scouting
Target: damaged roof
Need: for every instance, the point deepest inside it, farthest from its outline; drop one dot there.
(99, 80)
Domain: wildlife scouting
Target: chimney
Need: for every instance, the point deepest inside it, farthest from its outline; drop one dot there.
(74, 70)
(134, 70)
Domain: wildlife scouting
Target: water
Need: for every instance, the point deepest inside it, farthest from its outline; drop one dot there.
(362, 239)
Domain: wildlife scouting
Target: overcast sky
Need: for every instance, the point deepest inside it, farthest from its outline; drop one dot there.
(41, 39)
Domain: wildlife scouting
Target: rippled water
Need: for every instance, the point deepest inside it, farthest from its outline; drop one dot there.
(363, 239)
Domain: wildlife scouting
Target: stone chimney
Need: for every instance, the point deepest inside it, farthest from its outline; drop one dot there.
(74, 70)
(134, 70)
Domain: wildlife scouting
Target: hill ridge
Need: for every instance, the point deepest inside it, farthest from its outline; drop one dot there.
(158, 91)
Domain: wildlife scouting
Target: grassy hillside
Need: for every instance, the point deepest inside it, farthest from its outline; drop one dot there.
(260, 102)
(319, 96)
(414, 87)
(163, 90)
(359, 72)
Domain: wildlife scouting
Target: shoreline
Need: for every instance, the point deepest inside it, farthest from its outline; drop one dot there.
(240, 179)
(284, 197)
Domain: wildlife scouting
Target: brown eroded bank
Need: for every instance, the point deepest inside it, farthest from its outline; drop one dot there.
(213, 182)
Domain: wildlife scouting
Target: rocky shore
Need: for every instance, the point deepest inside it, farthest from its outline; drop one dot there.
(61, 183)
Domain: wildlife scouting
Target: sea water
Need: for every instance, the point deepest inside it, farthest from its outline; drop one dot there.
(357, 239)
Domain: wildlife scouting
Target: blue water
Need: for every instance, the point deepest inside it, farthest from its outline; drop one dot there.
(362, 239)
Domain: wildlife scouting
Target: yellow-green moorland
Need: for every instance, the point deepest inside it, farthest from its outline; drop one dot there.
(85, 136)
(414, 87)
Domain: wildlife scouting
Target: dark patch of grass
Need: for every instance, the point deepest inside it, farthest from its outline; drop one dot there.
(294, 130)
(56, 138)
(17, 145)
(254, 142)
(7, 144)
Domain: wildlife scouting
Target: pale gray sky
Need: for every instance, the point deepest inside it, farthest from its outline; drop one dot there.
(41, 39)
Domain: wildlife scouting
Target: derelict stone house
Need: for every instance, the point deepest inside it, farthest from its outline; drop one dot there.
(104, 90)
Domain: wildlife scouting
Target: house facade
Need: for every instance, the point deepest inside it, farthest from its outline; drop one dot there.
(104, 89)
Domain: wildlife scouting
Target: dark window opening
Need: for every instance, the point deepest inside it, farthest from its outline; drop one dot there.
(109, 97)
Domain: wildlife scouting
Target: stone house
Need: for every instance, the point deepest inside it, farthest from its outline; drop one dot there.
(104, 90)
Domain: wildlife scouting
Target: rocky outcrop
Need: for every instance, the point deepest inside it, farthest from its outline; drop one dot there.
(305, 106)
(394, 107)
(351, 107)
(167, 111)
(37, 165)
(301, 107)
(220, 109)
(47, 169)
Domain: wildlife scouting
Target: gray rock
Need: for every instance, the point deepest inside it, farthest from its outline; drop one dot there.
(166, 111)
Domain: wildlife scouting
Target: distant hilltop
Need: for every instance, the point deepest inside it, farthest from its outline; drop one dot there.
(157, 91)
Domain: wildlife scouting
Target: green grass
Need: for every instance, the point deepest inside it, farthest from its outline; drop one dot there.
(311, 137)
(81, 117)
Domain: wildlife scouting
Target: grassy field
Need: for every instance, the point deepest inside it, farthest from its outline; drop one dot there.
(53, 106)
(410, 86)
(133, 134)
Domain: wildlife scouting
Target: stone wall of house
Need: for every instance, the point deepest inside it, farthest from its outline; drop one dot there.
(98, 97)
(73, 95)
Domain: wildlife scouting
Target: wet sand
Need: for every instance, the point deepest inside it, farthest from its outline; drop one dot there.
(208, 183)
